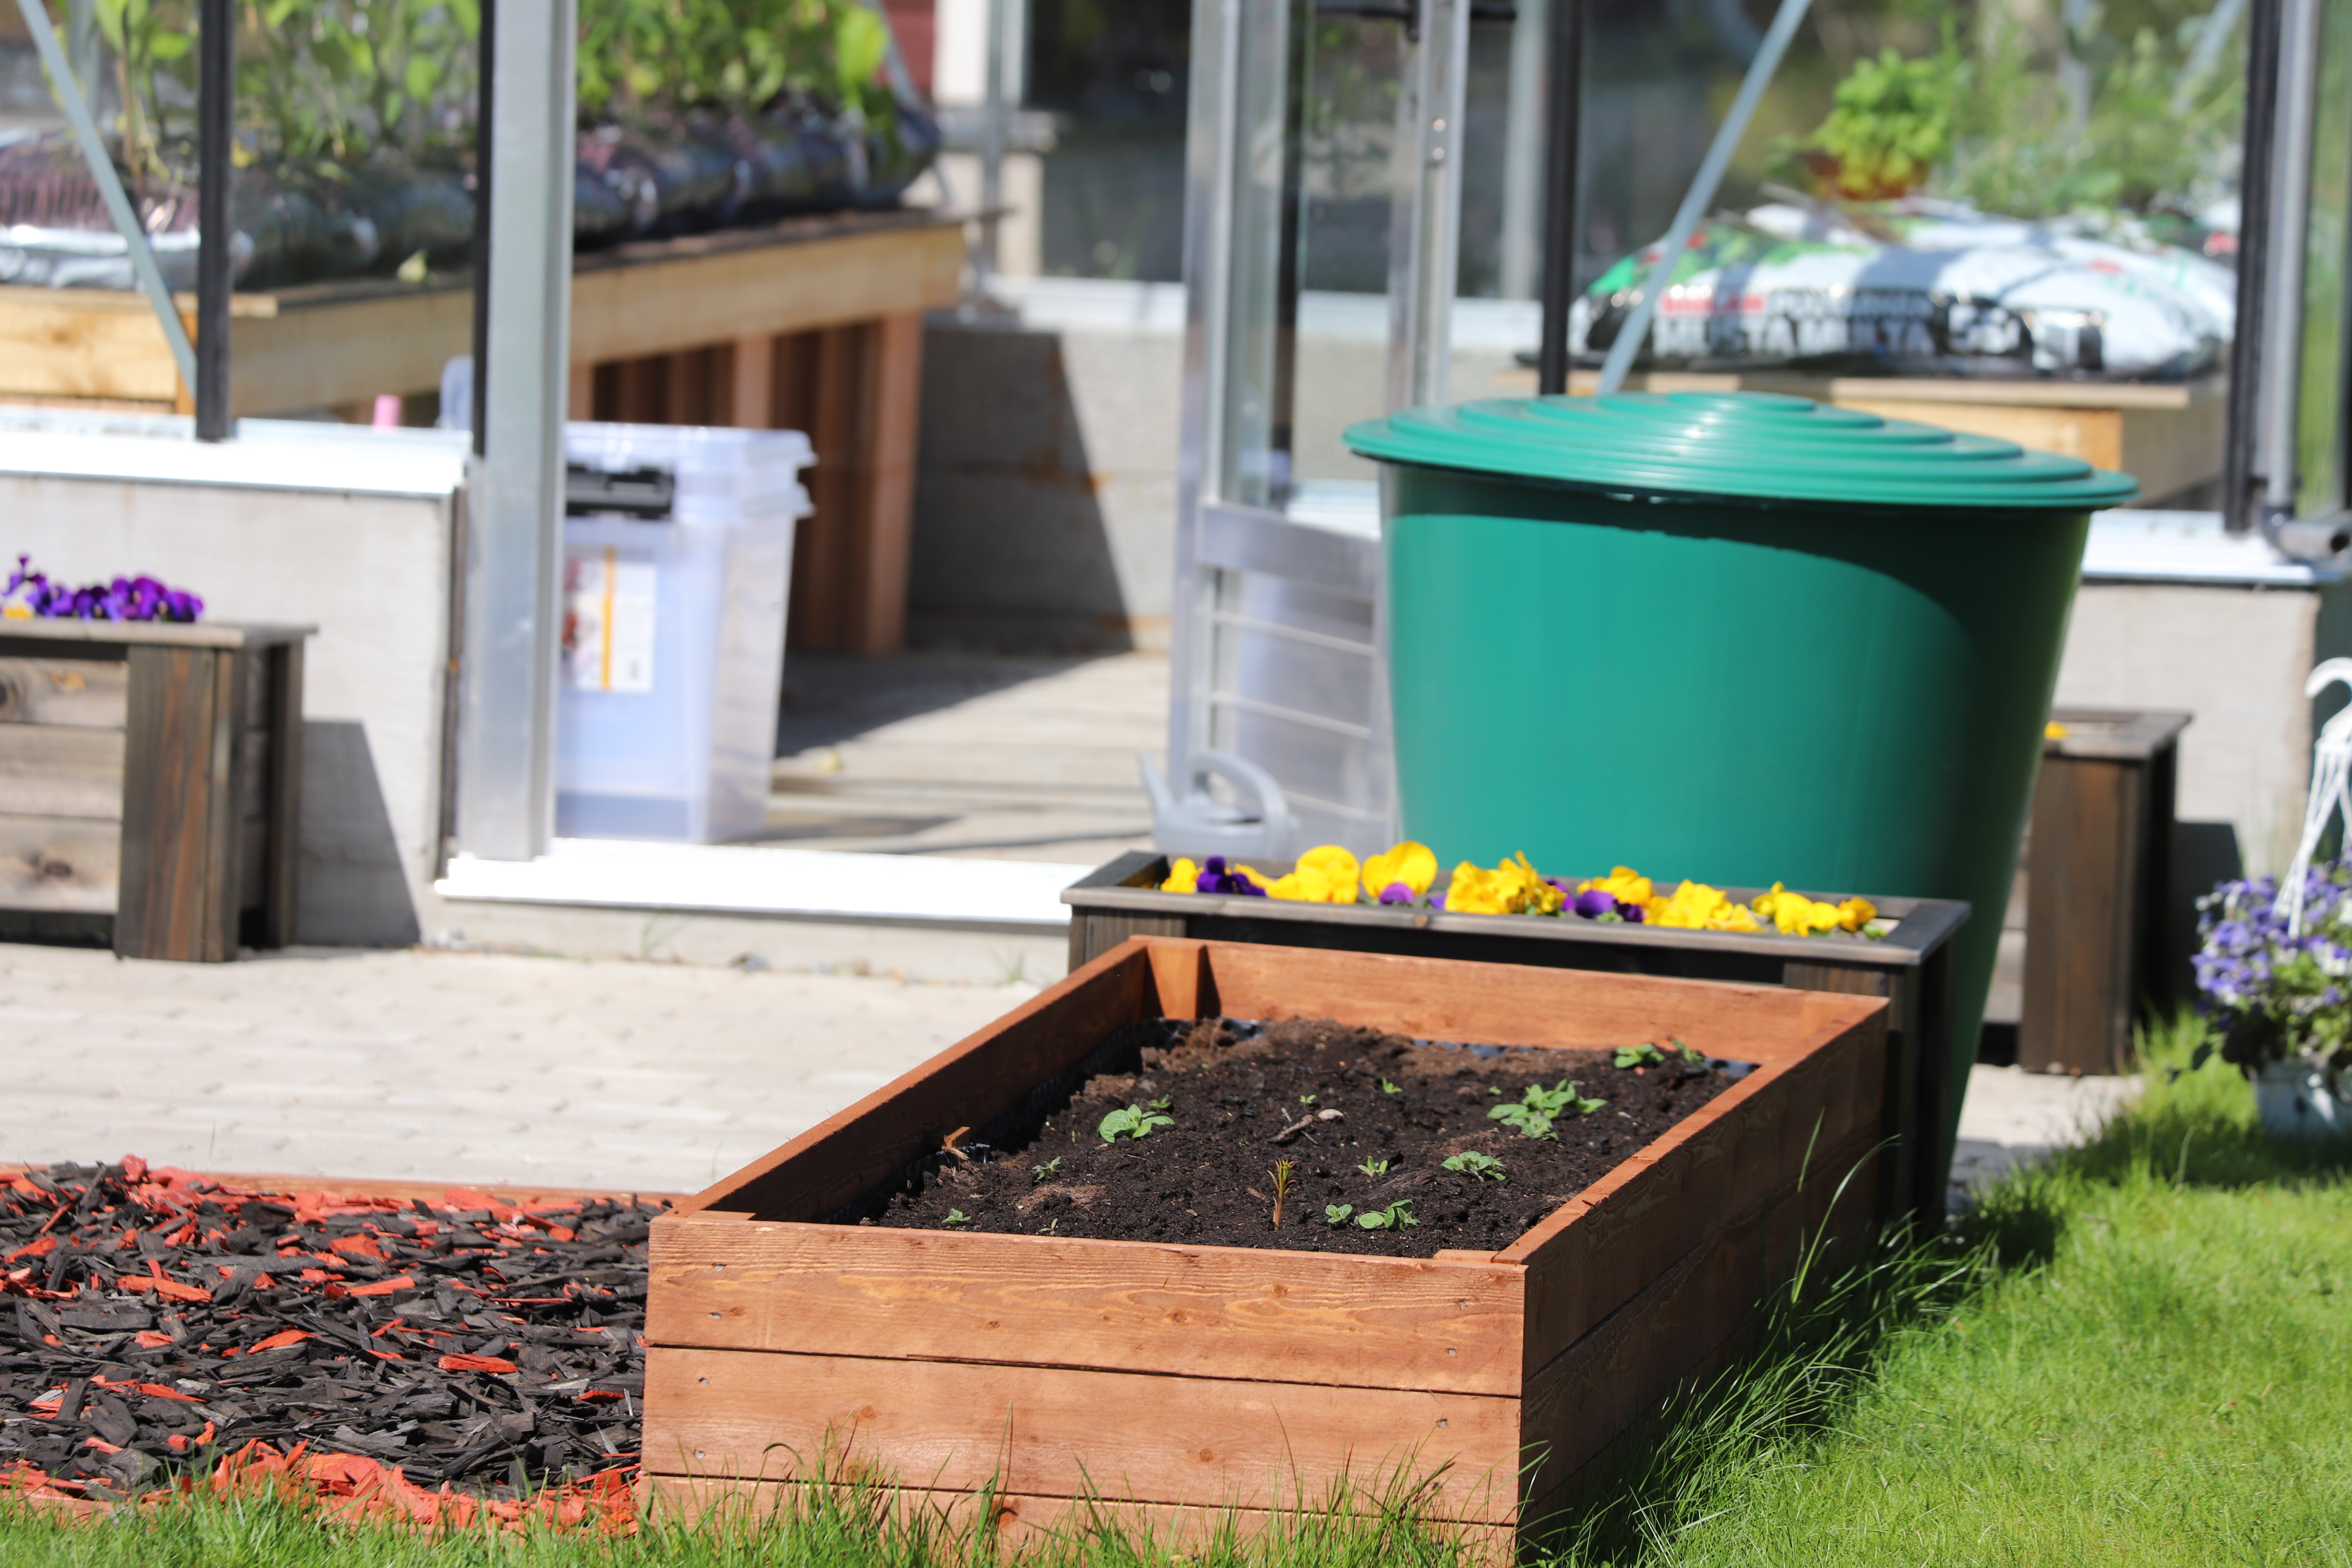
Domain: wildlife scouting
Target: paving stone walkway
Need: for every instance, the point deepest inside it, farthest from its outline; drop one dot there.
(427, 1066)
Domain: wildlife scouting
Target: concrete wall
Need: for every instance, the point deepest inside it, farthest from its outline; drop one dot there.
(2236, 656)
(371, 570)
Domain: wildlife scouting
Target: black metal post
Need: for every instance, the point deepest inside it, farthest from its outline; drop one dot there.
(2241, 477)
(1564, 105)
(216, 213)
(486, 52)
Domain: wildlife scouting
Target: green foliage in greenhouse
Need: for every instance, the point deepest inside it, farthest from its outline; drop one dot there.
(731, 54)
(2031, 125)
(348, 82)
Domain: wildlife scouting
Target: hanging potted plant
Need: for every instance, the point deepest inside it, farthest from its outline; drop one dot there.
(2280, 993)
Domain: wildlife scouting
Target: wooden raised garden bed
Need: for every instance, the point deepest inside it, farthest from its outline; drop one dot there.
(1185, 1379)
(1911, 966)
(153, 783)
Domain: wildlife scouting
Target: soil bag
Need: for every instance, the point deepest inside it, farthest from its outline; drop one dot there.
(1935, 295)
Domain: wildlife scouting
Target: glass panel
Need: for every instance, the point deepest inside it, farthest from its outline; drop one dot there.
(1252, 471)
(1114, 74)
(2320, 410)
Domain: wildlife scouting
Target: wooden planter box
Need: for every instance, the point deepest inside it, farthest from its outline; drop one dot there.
(1185, 1379)
(1911, 967)
(151, 781)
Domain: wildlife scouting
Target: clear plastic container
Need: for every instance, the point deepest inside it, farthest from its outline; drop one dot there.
(677, 566)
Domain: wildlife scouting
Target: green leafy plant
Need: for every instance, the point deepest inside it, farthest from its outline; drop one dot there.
(1388, 1088)
(1306, 1099)
(1336, 1214)
(1282, 1173)
(1640, 1055)
(1163, 1102)
(1050, 1167)
(1134, 1120)
(1532, 1114)
(1484, 1167)
(1890, 128)
(956, 1217)
(1373, 1167)
(1397, 1216)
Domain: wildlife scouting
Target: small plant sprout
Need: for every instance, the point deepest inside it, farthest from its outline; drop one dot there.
(1134, 1120)
(1695, 1057)
(1484, 1167)
(1492, 1089)
(1306, 1099)
(1281, 1174)
(1163, 1102)
(1374, 1168)
(1397, 1216)
(1533, 1112)
(1336, 1214)
(1388, 1088)
(1642, 1056)
(1039, 1173)
(956, 1217)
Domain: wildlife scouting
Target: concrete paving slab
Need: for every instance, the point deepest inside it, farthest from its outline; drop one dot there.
(436, 1066)
(2013, 1117)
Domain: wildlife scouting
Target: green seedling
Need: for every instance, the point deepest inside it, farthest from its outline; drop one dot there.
(1397, 1216)
(1048, 1228)
(1281, 1174)
(1695, 1057)
(1039, 1173)
(1484, 1167)
(1492, 1090)
(1374, 1168)
(1135, 1121)
(1532, 1114)
(1163, 1102)
(1336, 1214)
(1306, 1099)
(956, 1217)
(1388, 1088)
(1642, 1056)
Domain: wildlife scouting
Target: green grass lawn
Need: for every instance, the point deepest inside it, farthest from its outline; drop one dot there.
(2139, 1354)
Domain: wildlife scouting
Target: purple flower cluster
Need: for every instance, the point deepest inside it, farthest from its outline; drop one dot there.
(1217, 876)
(1599, 904)
(124, 599)
(2271, 991)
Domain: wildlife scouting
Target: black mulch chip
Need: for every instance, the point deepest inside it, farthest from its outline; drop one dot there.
(149, 1317)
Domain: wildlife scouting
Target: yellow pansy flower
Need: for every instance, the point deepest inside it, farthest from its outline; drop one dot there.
(1623, 884)
(1412, 865)
(1183, 877)
(1323, 875)
(1793, 914)
(1697, 906)
(1513, 888)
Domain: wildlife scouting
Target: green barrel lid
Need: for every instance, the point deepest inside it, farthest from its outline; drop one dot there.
(1738, 445)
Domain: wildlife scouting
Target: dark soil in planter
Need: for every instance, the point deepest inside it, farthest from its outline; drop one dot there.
(1336, 1100)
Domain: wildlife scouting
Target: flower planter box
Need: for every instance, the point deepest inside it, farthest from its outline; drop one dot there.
(1181, 1379)
(1911, 967)
(153, 775)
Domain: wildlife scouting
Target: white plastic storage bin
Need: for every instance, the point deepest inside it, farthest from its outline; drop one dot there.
(678, 549)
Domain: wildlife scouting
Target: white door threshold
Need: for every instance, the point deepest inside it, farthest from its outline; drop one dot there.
(803, 884)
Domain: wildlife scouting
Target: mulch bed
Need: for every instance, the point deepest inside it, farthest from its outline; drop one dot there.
(1239, 1098)
(370, 1348)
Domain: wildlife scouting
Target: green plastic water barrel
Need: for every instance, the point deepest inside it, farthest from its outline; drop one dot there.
(1735, 637)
